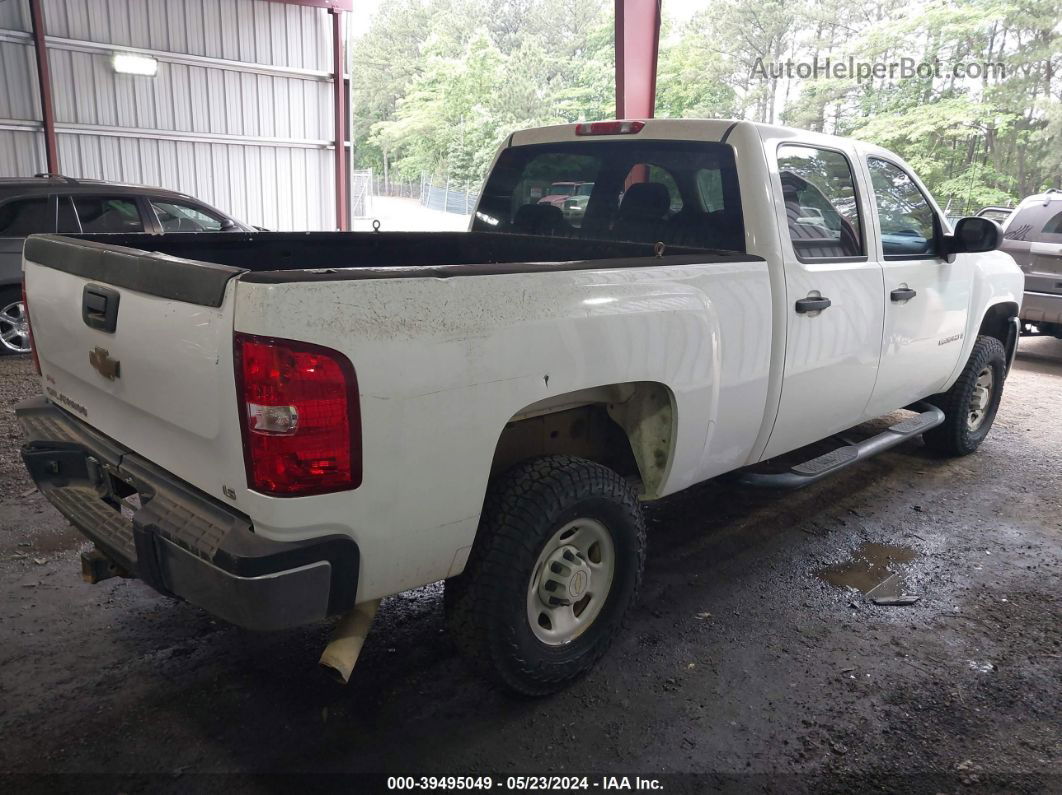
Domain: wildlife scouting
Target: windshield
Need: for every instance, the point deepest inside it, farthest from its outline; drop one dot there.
(675, 192)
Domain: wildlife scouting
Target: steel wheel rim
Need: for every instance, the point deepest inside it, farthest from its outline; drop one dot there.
(981, 398)
(14, 328)
(571, 581)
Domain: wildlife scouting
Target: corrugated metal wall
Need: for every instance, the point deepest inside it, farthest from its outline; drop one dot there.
(21, 149)
(239, 114)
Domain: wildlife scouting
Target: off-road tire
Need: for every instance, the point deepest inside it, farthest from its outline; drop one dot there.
(954, 437)
(487, 605)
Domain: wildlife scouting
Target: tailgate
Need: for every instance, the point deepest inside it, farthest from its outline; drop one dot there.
(139, 346)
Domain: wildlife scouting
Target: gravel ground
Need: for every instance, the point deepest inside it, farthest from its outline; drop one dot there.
(741, 669)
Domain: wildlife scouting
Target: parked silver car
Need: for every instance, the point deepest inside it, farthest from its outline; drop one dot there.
(50, 203)
(1032, 234)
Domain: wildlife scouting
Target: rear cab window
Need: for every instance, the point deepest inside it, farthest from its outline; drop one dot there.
(821, 203)
(675, 192)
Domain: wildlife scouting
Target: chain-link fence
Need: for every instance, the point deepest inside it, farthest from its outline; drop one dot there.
(361, 193)
(397, 188)
(436, 193)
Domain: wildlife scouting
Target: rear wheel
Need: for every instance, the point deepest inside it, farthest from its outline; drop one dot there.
(556, 565)
(14, 326)
(970, 405)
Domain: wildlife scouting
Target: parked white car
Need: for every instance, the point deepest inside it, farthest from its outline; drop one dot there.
(283, 427)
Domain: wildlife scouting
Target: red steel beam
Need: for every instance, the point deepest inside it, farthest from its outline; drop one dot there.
(340, 110)
(44, 79)
(637, 48)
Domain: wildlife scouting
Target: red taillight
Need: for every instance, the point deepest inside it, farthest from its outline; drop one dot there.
(29, 328)
(609, 127)
(299, 415)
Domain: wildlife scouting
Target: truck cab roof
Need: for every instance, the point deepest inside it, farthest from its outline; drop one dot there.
(679, 129)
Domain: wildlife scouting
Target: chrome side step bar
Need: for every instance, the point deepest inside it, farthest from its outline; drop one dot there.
(835, 460)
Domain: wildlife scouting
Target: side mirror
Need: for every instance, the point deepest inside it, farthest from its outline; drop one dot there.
(974, 234)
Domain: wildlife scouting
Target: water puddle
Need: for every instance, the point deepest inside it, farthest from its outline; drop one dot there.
(52, 541)
(875, 569)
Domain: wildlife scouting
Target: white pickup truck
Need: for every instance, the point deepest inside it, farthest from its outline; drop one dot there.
(285, 427)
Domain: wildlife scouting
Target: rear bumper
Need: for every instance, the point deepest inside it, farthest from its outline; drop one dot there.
(178, 540)
(1041, 307)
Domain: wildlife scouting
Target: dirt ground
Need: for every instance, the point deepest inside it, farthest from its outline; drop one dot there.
(741, 669)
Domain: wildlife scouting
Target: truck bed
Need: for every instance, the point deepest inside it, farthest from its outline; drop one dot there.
(274, 257)
(138, 338)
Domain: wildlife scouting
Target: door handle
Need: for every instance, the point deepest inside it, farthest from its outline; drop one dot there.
(902, 294)
(805, 305)
(99, 307)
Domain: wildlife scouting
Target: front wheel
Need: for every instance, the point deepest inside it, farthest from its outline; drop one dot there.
(556, 565)
(14, 326)
(970, 405)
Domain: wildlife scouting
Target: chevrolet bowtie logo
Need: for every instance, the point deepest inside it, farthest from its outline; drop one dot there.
(102, 363)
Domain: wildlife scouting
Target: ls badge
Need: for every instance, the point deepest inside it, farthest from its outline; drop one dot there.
(102, 363)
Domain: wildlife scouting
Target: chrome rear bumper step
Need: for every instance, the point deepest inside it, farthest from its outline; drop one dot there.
(818, 468)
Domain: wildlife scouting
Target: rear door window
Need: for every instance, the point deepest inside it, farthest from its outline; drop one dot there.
(100, 214)
(175, 216)
(641, 191)
(908, 222)
(821, 206)
(21, 217)
(66, 218)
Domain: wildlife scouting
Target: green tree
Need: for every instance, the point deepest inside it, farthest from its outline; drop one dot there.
(438, 83)
(693, 79)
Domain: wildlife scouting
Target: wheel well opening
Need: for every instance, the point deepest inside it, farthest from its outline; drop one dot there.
(996, 322)
(626, 427)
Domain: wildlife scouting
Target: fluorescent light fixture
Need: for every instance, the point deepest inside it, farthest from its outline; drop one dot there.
(128, 64)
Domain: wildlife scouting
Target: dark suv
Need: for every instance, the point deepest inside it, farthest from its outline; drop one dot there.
(47, 203)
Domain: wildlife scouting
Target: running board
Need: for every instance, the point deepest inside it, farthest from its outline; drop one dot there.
(835, 460)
